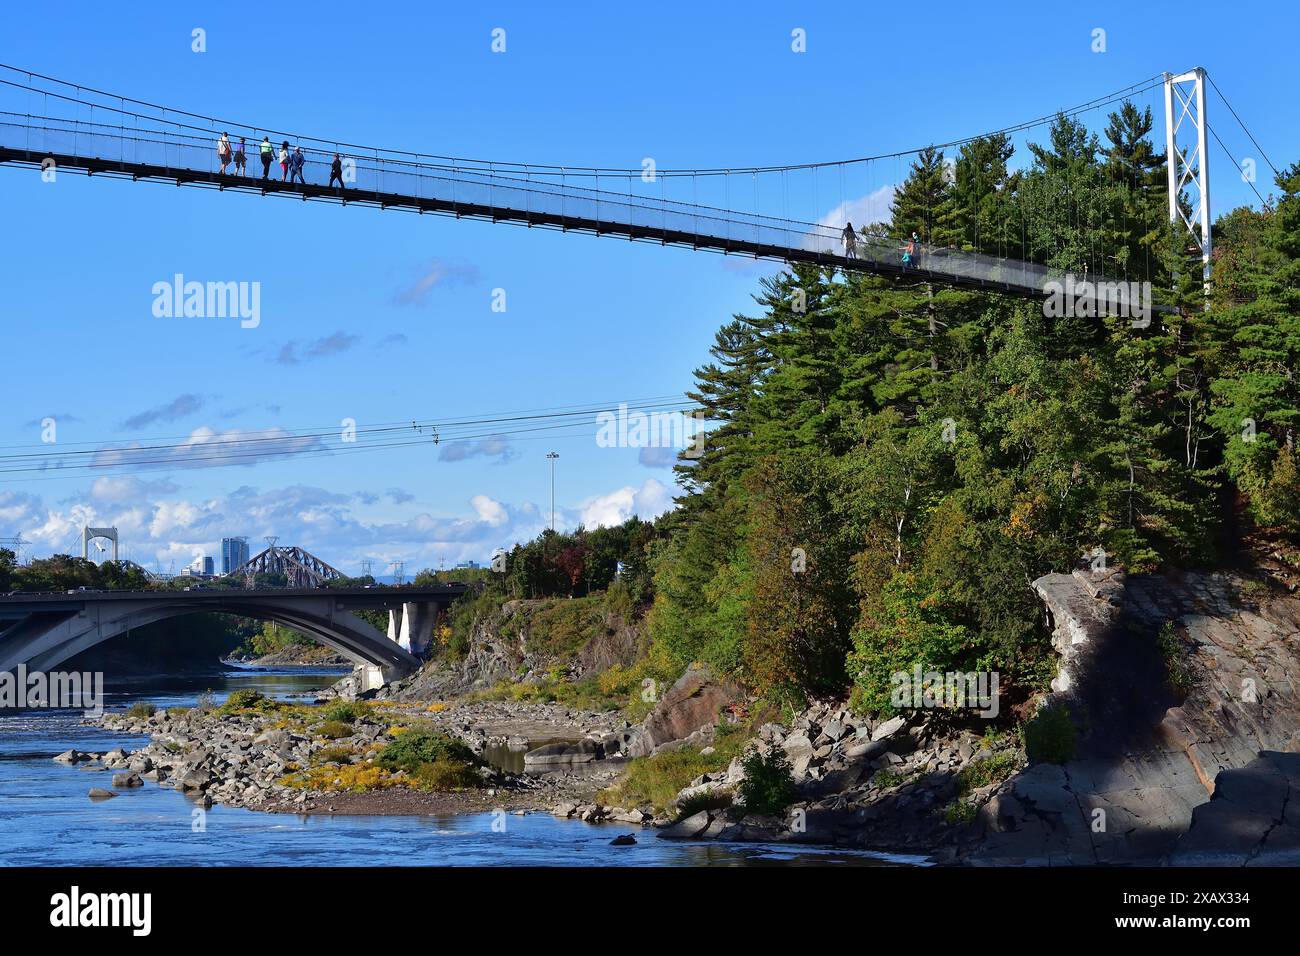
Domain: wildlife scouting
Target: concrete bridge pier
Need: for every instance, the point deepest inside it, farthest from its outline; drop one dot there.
(372, 677)
(411, 626)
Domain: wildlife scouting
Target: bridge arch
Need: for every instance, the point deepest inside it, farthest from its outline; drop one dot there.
(50, 640)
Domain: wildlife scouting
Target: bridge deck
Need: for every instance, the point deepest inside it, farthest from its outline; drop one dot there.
(543, 200)
(352, 598)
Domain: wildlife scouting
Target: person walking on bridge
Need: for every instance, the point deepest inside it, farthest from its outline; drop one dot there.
(336, 171)
(295, 166)
(910, 251)
(268, 153)
(284, 160)
(850, 241)
(223, 152)
(241, 158)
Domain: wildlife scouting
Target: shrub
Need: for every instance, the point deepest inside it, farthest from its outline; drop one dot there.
(445, 774)
(887, 779)
(346, 712)
(242, 700)
(334, 755)
(960, 811)
(706, 800)
(992, 769)
(902, 626)
(1171, 648)
(654, 781)
(354, 778)
(1049, 736)
(768, 787)
(334, 729)
(141, 709)
(416, 747)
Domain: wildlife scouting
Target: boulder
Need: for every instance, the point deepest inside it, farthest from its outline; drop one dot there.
(692, 704)
(99, 793)
(195, 780)
(887, 729)
(127, 780)
(558, 756)
(626, 839)
(687, 828)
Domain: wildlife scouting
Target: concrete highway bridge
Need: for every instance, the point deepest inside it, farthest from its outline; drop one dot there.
(43, 631)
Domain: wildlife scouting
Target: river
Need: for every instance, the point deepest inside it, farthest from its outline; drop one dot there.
(47, 819)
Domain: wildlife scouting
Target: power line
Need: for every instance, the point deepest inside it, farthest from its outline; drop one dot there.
(21, 464)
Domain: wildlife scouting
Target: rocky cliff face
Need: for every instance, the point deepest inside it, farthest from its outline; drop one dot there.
(502, 648)
(1147, 761)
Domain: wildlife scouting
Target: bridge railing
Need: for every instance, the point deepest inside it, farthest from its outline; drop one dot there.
(544, 196)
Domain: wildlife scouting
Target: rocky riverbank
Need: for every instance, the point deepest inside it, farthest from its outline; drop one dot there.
(257, 760)
(1182, 687)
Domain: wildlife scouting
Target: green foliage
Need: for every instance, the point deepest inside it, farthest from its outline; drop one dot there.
(242, 700)
(1050, 735)
(768, 787)
(656, 780)
(141, 709)
(960, 812)
(887, 779)
(271, 637)
(446, 774)
(993, 769)
(334, 730)
(904, 626)
(422, 746)
(346, 711)
(1171, 648)
(705, 800)
(934, 451)
(342, 755)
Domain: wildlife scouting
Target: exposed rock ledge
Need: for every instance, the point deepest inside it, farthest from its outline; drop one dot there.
(1147, 764)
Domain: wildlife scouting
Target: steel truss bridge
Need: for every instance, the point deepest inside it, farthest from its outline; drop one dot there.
(302, 568)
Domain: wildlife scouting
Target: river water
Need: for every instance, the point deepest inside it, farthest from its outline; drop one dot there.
(47, 819)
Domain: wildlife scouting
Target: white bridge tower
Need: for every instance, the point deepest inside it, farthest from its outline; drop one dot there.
(1188, 158)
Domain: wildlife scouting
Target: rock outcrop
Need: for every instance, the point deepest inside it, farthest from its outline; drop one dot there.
(1147, 762)
(691, 705)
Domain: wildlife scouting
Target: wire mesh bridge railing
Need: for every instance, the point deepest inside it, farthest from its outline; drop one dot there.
(44, 121)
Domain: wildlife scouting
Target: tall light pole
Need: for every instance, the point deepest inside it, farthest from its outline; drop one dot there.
(552, 456)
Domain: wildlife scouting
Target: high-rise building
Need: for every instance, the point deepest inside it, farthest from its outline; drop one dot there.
(234, 552)
(207, 566)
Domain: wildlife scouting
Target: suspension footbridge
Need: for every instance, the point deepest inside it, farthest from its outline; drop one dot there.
(56, 126)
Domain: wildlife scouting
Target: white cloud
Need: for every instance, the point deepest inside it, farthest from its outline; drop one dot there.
(649, 501)
(489, 510)
(160, 529)
(116, 489)
(863, 211)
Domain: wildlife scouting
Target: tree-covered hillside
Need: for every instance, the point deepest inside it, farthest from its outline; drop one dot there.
(893, 464)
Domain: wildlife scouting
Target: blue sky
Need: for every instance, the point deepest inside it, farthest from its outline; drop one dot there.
(346, 331)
